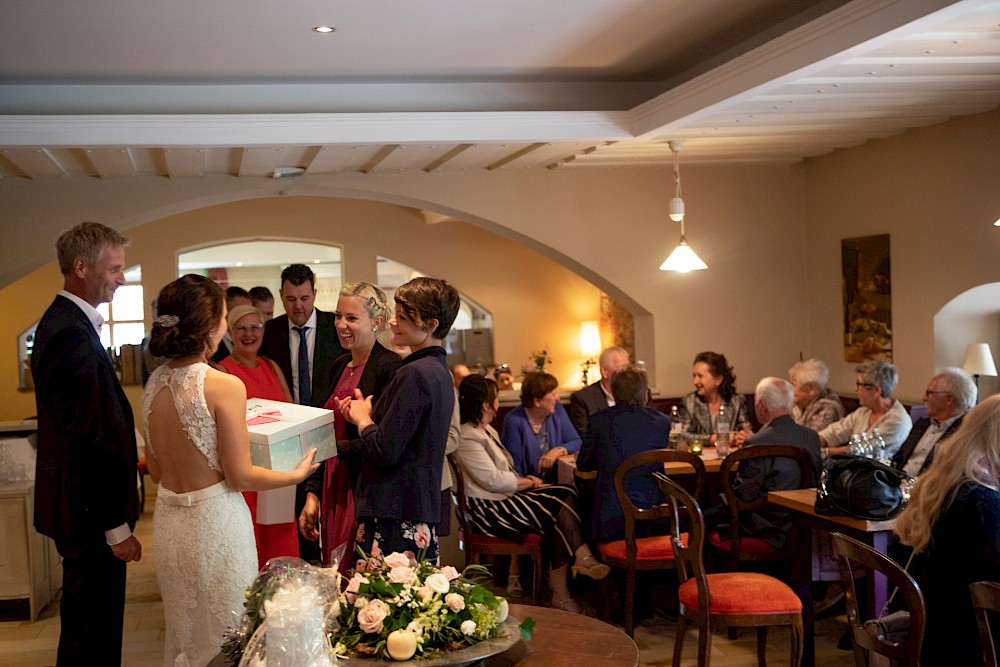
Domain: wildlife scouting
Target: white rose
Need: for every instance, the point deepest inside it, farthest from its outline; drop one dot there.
(402, 575)
(450, 572)
(396, 559)
(438, 582)
(454, 601)
(502, 611)
(415, 628)
(468, 627)
(370, 618)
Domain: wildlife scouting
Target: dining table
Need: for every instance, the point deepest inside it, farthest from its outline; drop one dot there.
(873, 533)
(559, 639)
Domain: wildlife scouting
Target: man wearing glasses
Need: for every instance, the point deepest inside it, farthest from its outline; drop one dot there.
(950, 394)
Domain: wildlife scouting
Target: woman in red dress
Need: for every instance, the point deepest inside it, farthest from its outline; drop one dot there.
(362, 311)
(263, 379)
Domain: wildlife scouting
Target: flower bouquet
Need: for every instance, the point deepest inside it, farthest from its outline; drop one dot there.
(401, 607)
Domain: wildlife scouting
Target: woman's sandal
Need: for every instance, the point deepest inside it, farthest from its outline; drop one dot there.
(591, 567)
(569, 604)
(514, 589)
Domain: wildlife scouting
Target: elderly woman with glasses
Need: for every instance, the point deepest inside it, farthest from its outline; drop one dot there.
(878, 410)
(262, 379)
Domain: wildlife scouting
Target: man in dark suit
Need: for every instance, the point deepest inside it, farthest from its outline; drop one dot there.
(773, 401)
(949, 395)
(596, 397)
(235, 296)
(304, 343)
(86, 496)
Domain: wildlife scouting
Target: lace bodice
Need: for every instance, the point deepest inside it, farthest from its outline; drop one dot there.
(187, 386)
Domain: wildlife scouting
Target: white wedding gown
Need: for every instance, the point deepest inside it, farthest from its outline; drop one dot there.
(205, 551)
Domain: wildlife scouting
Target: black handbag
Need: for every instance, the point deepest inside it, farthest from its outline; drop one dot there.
(860, 487)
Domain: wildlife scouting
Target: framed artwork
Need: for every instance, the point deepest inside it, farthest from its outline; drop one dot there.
(867, 298)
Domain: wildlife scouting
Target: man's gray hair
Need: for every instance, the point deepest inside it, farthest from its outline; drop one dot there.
(959, 384)
(810, 371)
(86, 241)
(879, 373)
(609, 352)
(775, 393)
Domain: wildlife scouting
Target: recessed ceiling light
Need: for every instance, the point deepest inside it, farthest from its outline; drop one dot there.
(324, 29)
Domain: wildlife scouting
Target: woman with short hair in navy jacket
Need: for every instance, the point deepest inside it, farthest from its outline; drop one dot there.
(539, 431)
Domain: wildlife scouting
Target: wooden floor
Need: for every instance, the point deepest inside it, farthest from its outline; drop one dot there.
(27, 644)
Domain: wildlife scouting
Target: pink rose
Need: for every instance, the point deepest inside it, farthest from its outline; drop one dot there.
(454, 601)
(402, 575)
(376, 550)
(450, 572)
(425, 594)
(422, 535)
(370, 618)
(396, 559)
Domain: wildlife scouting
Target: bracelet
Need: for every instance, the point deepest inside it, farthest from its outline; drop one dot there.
(365, 423)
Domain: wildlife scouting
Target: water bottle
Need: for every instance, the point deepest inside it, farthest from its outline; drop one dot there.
(868, 447)
(722, 432)
(676, 427)
(880, 449)
(855, 448)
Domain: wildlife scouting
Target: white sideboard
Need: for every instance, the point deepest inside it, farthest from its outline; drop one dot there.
(30, 566)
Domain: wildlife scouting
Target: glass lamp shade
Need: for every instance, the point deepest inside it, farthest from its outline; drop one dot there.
(683, 259)
(676, 209)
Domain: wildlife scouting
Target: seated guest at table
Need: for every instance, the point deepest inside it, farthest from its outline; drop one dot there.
(459, 373)
(539, 431)
(875, 383)
(952, 521)
(816, 407)
(502, 502)
(596, 397)
(715, 388)
(616, 433)
(263, 379)
(773, 400)
(503, 377)
(949, 395)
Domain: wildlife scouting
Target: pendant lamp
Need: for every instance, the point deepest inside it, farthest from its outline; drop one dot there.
(683, 258)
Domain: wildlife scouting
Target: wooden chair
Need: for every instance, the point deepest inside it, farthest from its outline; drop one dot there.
(476, 545)
(741, 599)
(986, 598)
(907, 652)
(740, 548)
(643, 553)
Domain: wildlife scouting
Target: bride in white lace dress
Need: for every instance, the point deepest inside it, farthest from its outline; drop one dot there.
(198, 449)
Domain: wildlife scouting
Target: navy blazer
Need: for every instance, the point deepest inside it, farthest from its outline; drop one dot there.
(917, 432)
(85, 474)
(615, 434)
(584, 403)
(379, 369)
(327, 349)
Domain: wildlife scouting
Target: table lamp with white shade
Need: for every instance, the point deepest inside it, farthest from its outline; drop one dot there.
(979, 361)
(590, 346)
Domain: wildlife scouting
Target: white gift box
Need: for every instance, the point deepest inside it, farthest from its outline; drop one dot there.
(290, 432)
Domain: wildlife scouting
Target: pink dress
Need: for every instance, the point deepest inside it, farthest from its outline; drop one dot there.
(279, 539)
(337, 522)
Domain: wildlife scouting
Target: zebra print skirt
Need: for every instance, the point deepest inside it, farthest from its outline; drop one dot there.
(529, 511)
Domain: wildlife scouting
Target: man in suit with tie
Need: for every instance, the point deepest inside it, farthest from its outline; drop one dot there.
(303, 342)
(86, 496)
(949, 395)
(596, 397)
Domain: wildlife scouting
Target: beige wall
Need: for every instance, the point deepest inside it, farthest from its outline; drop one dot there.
(770, 235)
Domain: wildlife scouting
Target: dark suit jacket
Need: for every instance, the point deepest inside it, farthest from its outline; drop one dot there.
(379, 369)
(276, 347)
(758, 476)
(85, 475)
(221, 352)
(584, 403)
(615, 434)
(917, 432)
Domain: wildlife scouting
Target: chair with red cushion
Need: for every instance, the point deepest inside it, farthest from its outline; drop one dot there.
(741, 599)
(985, 599)
(643, 553)
(737, 547)
(476, 545)
(850, 555)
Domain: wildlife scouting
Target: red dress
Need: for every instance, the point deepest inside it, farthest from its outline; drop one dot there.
(338, 524)
(279, 539)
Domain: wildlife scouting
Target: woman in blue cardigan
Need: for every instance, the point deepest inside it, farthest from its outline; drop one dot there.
(539, 431)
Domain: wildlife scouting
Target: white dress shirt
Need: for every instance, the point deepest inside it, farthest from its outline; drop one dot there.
(293, 348)
(926, 445)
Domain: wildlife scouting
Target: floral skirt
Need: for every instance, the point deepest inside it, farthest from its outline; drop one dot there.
(380, 537)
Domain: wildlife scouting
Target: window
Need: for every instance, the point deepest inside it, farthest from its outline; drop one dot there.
(123, 317)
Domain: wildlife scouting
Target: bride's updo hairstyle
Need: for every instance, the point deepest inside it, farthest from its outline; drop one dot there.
(188, 313)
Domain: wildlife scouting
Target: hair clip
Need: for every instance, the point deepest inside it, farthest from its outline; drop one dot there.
(166, 321)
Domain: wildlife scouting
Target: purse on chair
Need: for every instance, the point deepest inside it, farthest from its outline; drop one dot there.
(862, 488)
